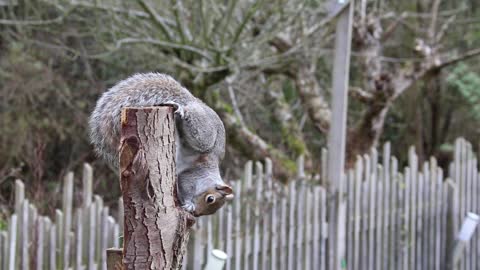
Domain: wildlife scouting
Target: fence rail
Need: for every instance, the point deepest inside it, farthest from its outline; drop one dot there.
(396, 219)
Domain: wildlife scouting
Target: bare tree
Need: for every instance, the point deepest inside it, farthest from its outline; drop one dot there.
(239, 55)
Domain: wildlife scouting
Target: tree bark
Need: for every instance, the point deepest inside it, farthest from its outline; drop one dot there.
(156, 229)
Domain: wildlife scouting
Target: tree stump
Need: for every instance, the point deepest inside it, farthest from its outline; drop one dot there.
(156, 229)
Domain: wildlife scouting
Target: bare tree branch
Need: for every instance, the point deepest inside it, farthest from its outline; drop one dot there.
(233, 99)
(462, 57)
(32, 23)
(157, 18)
(166, 44)
(433, 21)
(360, 94)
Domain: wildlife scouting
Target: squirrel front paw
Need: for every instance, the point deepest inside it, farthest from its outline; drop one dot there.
(189, 206)
(178, 109)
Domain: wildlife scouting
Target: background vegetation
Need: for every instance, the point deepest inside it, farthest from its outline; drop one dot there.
(264, 66)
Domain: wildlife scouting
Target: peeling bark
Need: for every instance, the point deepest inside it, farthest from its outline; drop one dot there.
(156, 229)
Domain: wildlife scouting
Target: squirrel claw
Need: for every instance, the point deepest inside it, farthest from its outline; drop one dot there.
(190, 207)
(178, 109)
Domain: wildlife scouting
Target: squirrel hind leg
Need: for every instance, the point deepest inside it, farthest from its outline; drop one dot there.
(198, 128)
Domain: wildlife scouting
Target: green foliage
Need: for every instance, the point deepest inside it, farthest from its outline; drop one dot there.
(3, 224)
(467, 83)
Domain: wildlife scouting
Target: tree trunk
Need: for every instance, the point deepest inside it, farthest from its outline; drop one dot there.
(156, 229)
(366, 135)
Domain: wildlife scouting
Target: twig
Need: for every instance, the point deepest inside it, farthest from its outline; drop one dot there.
(236, 109)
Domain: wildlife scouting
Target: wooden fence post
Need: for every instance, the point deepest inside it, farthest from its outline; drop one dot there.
(336, 139)
(156, 229)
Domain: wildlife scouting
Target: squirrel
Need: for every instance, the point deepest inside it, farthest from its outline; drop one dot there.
(200, 136)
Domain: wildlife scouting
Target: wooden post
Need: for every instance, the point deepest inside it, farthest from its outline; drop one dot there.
(336, 139)
(156, 229)
(114, 259)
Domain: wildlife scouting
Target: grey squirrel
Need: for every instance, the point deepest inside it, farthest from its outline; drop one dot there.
(200, 136)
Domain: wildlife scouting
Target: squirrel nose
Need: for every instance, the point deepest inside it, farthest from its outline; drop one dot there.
(226, 191)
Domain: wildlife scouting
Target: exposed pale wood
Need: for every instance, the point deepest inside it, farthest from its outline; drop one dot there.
(337, 134)
(238, 227)
(407, 195)
(147, 170)
(433, 231)
(413, 164)
(438, 213)
(24, 255)
(283, 232)
(291, 226)
(371, 220)
(12, 242)
(300, 228)
(4, 250)
(78, 238)
(32, 216)
(46, 242)
(116, 236)
(426, 227)
(39, 243)
(67, 221)
(87, 181)
(53, 248)
(256, 220)
(388, 211)
(419, 222)
(308, 233)
(111, 228)
(455, 196)
(265, 221)
(323, 230)
(324, 169)
(364, 224)
(467, 198)
(446, 189)
(195, 251)
(220, 228)
(396, 217)
(92, 236)
(98, 201)
(19, 199)
(475, 242)
(316, 228)
(274, 226)
(104, 238)
(121, 217)
(247, 239)
(355, 263)
(229, 230)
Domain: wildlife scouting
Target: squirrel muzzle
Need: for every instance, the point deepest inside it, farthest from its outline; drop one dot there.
(226, 191)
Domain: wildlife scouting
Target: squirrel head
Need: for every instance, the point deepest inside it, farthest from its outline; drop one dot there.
(211, 200)
(202, 191)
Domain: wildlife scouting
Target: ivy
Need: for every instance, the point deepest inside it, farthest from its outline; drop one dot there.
(467, 83)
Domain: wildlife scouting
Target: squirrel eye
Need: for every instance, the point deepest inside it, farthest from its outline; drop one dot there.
(210, 199)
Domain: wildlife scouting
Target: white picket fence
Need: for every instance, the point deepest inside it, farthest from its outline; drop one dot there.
(396, 219)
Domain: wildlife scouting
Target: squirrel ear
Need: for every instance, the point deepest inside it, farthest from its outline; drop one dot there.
(225, 189)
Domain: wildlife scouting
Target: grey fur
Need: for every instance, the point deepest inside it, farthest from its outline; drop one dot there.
(200, 132)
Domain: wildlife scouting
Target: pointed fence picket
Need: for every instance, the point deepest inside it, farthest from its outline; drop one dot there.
(395, 219)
